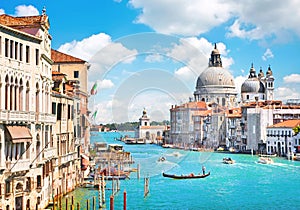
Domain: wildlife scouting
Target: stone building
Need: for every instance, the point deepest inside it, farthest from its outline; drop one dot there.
(258, 87)
(76, 70)
(27, 150)
(281, 138)
(150, 133)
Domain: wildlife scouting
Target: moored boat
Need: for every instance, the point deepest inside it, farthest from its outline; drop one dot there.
(189, 176)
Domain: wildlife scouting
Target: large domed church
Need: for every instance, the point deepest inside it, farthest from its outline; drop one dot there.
(216, 84)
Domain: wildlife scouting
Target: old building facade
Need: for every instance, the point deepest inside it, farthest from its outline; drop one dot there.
(26, 121)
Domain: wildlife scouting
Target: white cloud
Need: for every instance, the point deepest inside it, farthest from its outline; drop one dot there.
(195, 54)
(293, 78)
(100, 52)
(285, 93)
(155, 57)
(2, 11)
(238, 81)
(252, 19)
(187, 17)
(87, 47)
(268, 54)
(105, 84)
(23, 10)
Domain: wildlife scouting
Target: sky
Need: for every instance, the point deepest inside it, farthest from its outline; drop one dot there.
(148, 54)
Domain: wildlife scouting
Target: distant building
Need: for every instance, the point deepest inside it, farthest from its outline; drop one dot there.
(77, 71)
(216, 84)
(150, 133)
(281, 138)
(258, 87)
(223, 121)
(189, 123)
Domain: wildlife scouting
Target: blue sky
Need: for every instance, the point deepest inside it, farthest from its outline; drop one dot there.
(148, 54)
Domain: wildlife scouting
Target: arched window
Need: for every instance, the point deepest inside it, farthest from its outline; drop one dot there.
(16, 98)
(11, 104)
(27, 96)
(37, 101)
(6, 93)
(20, 96)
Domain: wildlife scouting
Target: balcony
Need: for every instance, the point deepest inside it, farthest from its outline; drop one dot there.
(18, 165)
(26, 116)
(63, 159)
(49, 153)
(232, 126)
(45, 118)
(17, 116)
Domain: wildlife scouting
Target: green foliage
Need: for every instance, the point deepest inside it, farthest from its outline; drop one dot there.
(296, 129)
(131, 126)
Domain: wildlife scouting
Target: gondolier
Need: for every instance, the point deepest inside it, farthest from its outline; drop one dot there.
(203, 170)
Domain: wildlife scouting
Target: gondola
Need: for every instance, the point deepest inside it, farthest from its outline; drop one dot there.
(189, 176)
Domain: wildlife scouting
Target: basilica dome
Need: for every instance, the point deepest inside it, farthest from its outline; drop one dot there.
(252, 85)
(215, 76)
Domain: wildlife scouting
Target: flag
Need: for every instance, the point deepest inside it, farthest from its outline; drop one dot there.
(94, 89)
(94, 115)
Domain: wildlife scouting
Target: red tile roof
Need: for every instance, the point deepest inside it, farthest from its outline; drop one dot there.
(27, 24)
(59, 57)
(286, 124)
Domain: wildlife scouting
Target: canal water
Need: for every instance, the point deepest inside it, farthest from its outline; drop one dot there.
(243, 185)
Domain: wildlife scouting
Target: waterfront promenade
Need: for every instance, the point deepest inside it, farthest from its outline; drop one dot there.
(243, 185)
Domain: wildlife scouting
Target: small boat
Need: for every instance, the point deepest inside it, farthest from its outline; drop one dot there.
(161, 159)
(189, 176)
(267, 155)
(265, 160)
(228, 161)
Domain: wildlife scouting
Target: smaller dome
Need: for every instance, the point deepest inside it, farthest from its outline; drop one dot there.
(252, 85)
(215, 50)
(269, 72)
(261, 73)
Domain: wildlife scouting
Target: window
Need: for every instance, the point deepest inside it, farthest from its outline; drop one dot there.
(53, 108)
(76, 74)
(69, 111)
(39, 181)
(27, 54)
(59, 111)
(11, 49)
(6, 47)
(7, 187)
(21, 52)
(37, 56)
(16, 50)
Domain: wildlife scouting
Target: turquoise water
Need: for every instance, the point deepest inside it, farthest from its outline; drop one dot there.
(243, 185)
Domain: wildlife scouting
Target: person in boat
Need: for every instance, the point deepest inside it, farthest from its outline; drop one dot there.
(203, 169)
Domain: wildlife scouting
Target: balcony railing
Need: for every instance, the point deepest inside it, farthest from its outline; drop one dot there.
(26, 116)
(66, 158)
(18, 165)
(49, 153)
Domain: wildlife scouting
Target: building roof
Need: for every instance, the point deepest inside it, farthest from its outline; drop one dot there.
(286, 124)
(191, 105)
(27, 24)
(59, 57)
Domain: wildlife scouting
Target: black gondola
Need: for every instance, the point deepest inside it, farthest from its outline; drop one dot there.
(189, 176)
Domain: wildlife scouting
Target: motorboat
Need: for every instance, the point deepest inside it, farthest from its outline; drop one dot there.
(228, 160)
(265, 160)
